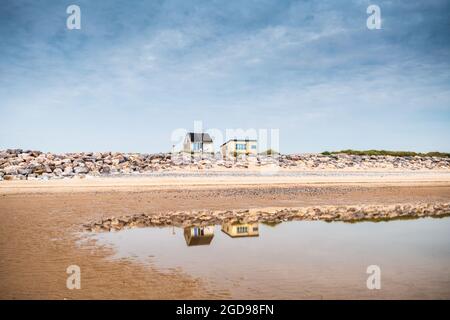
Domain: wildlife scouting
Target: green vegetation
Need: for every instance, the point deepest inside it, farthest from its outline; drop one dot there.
(269, 152)
(388, 153)
(271, 223)
(377, 220)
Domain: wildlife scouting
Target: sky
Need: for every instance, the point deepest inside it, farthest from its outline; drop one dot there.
(138, 71)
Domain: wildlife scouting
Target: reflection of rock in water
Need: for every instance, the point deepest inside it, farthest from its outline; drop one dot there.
(271, 223)
(273, 216)
(241, 229)
(197, 236)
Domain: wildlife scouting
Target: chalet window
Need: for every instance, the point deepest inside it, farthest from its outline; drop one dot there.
(242, 229)
(197, 146)
(240, 146)
(253, 147)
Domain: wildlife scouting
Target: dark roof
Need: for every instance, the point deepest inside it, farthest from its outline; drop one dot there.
(199, 241)
(199, 137)
(196, 240)
(235, 140)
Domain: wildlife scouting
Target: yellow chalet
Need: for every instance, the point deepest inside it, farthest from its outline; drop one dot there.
(236, 147)
(236, 229)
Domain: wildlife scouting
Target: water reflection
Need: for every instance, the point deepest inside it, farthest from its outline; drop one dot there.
(239, 229)
(299, 259)
(198, 236)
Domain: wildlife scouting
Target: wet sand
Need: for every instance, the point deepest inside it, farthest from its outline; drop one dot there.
(195, 180)
(40, 222)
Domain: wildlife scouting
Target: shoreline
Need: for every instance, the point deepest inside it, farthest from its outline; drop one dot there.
(194, 181)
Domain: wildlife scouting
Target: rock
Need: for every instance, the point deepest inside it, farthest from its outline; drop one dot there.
(79, 170)
(17, 162)
(58, 172)
(68, 170)
(106, 169)
(24, 171)
(11, 170)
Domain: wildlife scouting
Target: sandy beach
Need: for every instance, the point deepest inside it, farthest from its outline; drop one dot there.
(212, 150)
(241, 178)
(41, 221)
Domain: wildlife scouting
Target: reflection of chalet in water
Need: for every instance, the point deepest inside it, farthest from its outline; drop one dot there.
(197, 236)
(236, 229)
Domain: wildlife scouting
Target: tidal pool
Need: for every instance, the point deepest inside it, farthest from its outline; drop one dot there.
(300, 259)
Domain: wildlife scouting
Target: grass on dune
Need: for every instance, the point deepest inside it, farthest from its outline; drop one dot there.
(389, 153)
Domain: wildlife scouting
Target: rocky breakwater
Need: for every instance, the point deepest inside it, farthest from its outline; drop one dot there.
(327, 213)
(345, 161)
(31, 165)
(18, 164)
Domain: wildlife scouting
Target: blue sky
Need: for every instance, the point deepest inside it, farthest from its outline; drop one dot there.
(138, 70)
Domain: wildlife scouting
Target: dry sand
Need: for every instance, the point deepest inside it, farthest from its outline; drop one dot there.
(40, 221)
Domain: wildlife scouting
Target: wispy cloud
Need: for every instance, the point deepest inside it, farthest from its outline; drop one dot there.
(312, 69)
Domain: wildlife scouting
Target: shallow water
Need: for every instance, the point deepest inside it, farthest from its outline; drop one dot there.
(298, 260)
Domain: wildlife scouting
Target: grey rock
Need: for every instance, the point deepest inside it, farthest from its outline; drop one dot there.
(79, 170)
